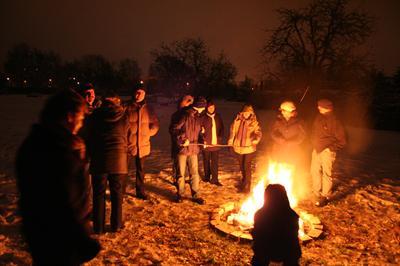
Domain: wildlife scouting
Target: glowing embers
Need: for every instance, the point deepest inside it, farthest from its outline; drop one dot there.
(237, 220)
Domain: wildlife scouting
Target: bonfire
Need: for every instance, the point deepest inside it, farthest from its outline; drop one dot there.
(238, 219)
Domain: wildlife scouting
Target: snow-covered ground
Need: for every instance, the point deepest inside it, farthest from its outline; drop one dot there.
(361, 224)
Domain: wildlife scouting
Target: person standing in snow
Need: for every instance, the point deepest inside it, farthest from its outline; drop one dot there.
(187, 133)
(52, 180)
(327, 138)
(287, 135)
(213, 134)
(184, 103)
(245, 134)
(144, 125)
(108, 144)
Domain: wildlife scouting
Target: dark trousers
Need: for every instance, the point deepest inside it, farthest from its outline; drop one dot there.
(99, 182)
(245, 169)
(139, 163)
(210, 163)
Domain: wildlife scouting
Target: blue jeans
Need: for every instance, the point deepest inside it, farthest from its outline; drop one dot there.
(191, 162)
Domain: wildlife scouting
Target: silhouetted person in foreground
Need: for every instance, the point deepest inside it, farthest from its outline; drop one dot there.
(53, 184)
(275, 232)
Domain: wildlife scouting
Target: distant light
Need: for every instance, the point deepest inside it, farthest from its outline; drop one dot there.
(50, 80)
(25, 81)
(8, 79)
(252, 89)
(141, 82)
(187, 83)
(73, 78)
(78, 83)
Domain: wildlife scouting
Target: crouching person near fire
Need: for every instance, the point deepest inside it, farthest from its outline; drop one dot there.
(275, 232)
(108, 143)
(327, 138)
(245, 134)
(187, 132)
(53, 183)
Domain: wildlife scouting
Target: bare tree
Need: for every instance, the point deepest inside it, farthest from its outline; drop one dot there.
(318, 37)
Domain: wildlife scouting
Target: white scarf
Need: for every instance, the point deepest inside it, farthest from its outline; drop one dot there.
(213, 129)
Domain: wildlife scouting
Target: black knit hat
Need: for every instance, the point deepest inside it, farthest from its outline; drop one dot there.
(200, 102)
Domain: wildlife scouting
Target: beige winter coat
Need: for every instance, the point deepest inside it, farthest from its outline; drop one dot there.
(245, 142)
(144, 124)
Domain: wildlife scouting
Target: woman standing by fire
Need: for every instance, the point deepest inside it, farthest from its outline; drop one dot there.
(244, 136)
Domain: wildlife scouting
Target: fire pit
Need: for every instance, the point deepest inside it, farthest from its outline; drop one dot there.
(310, 225)
(237, 219)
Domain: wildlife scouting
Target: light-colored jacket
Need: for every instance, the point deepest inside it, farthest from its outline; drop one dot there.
(144, 124)
(251, 137)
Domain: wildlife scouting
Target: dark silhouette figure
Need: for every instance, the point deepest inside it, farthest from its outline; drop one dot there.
(53, 183)
(108, 145)
(275, 231)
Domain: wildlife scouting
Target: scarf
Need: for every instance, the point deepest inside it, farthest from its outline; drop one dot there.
(213, 129)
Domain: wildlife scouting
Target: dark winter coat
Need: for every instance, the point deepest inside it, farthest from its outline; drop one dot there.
(144, 124)
(246, 143)
(328, 132)
(175, 118)
(275, 235)
(287, 136)
(207, 135)
(108, 139)
(54, 196)
(188, 128)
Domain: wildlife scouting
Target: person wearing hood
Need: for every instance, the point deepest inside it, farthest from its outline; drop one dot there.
(245, 134)
(187, 133)
(108, 144)
(327, 138)
(144, 125)
(287, 135)
(52, 179)
(275, 231)
(213, 134)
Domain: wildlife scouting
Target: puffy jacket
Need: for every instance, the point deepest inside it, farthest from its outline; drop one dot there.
(246, 143)
(188, 128)
(328, 132)
(287, 135)
(144, 124)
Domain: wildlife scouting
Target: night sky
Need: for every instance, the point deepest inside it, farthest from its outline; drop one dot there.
(128, 28)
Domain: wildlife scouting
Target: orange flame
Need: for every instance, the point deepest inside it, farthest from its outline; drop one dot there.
(278, 173)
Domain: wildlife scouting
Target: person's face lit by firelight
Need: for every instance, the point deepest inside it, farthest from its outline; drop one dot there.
(90, 96)
(140, 95)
